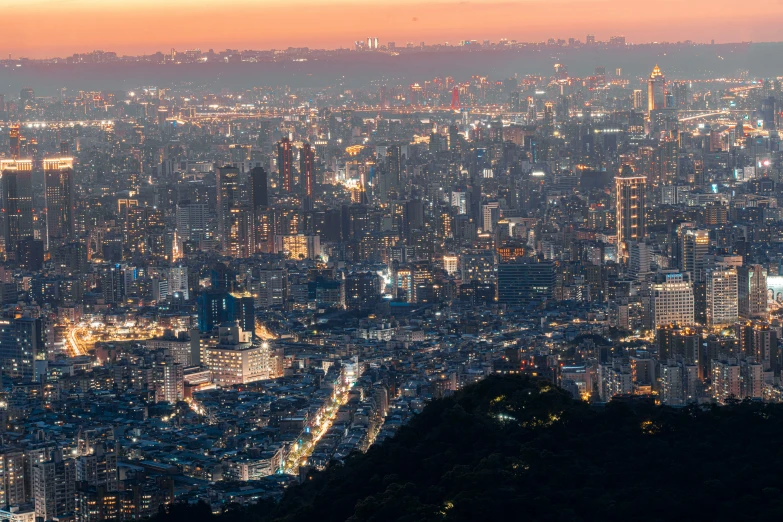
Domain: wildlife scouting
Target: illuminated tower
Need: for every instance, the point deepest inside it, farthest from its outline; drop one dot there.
(656, 91)
(285, 156)
(17, 199)
(228, 194)
(630, 200)
(455, 105)
(59, 192)
(306, 174)
(14, 141)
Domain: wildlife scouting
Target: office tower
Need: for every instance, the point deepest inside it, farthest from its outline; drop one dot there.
(523, 281)
(693, 246)
(17, 199)
(667, 162)
(59, 192)
(212, 310)
(752, 292)
(478, 266)
(768, 113)
(54, 487)
(237, 359)
(590, 39)
(14, 141)
(490, 213)
(241, 308)
(192, 219)
(21, 344)
(239, 239)
(638, 99)
(259, 196)
(285, 161)
(178, 282)
(215, 308)
(30, 254)
(112, 283)
(638, 259)
(394, 165)
(630, 194)
(671, 300)
(656, 91)
(272, 287)
(228, 190)
(307, 175)
(722, 306)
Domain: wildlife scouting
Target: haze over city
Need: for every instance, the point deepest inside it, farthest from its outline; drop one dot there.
(58, 28)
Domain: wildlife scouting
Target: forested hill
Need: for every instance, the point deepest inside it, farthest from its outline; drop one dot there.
(510, 448)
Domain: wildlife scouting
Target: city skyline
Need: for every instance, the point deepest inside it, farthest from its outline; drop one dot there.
(337, 24)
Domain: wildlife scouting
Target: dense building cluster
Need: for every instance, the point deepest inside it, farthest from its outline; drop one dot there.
(205, 294)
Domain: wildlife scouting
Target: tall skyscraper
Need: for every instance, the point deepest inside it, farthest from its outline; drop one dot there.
(14, 140)
(394, 165)
(630, 206)
(656, 91)
(285, 160)
(258, 185)
(752, 292)
(228, 198)
(59, 192)
(17, 199)
(307, 175)
(722, 306)
(693, 246)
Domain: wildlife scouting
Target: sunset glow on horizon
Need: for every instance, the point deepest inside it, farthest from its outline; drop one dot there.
(55, 28)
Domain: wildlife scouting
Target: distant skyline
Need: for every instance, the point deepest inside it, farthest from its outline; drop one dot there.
(49, 28)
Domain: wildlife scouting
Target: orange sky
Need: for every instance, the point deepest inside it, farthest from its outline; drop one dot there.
(46, 28)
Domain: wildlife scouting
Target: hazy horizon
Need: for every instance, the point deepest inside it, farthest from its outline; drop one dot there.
(55, 28)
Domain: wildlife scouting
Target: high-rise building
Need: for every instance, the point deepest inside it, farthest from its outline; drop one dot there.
(12, 477)
(394, 165)
(237, 359)
(307, 175)
(523, 281)
(259, 196)
(285, 161)
(671, 300)
(54, 487)
(21, 345)
(228, 189)
(752, 292)
(16, 192)
(656, 91)
(170, 382)
(722, 307)
(630, 206)
(192, 219)
(693, 246)
(59, 192)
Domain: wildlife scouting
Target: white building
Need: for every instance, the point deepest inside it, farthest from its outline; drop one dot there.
(236, 359)
(722, 298)
(672, 301)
